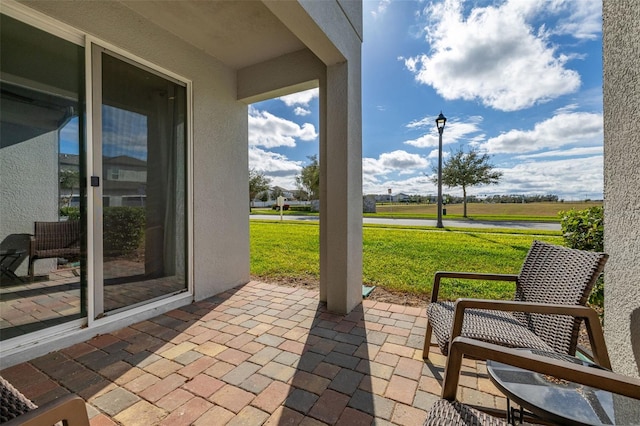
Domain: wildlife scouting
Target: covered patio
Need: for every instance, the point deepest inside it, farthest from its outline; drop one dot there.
(256, 354)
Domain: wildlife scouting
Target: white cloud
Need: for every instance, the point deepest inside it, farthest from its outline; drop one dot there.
(381, 9)
(573, 152)
(566, 109)
(277, 167)
(566, 178)
(301, 111)
(300, 98)
(270, 131)
(560, 130)
(584, 20)
(402, 160)
(492, 55)
(396, 161)
(124, 133)
(425, 141)
(455, 131)
(414, 185)
(374, 171)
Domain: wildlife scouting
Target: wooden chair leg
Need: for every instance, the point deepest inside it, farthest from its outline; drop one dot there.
(427, 341)
(31, 268)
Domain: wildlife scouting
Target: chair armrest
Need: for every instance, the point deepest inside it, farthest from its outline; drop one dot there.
(467, 276)
(592, 321)
(32, 246)
(69, 409)
(589, 376)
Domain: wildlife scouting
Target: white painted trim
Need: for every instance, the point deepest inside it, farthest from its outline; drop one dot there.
(140, 62)
(96, 218)
(19, 343)
(41, 21)
(190, 198)
(90, 172)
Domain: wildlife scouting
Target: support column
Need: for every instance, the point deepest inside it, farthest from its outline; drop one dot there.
(341, 187)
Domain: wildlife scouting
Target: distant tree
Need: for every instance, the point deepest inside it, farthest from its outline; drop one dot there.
(467, 169)
(301, 195)
(69, 179)
(277, 191)
(309, 179)
(258, 183)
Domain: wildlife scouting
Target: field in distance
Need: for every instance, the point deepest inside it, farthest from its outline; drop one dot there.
(486, 210)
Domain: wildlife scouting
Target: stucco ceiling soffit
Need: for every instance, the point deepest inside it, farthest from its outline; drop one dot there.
(290, 73)
(237, 33)
(321, 26)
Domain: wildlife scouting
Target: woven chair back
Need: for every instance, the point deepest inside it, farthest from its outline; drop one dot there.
(558, 275)
(57, 235)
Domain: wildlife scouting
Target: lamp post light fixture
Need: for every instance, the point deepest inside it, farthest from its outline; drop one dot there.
(440, 122)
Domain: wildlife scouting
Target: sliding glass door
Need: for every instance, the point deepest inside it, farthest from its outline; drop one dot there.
(140, 173)
(42, 205)
(93, 182)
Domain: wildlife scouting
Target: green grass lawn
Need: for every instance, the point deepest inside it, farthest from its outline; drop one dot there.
(399, 258)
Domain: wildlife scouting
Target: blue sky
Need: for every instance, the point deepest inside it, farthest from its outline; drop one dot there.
(519, 80)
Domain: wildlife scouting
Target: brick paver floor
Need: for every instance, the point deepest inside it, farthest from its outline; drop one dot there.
(258, 354)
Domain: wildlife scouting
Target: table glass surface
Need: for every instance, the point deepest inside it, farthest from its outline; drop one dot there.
(561, 400)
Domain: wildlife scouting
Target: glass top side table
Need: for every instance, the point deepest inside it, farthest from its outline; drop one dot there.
(561, 401)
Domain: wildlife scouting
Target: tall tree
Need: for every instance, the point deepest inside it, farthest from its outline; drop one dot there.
(258, 183)
(69, 179)
(467, 169)
(309, 178)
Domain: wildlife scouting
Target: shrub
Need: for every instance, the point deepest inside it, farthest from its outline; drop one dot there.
(123, 229)
(73, 213)
(300, 208)
(584, 230)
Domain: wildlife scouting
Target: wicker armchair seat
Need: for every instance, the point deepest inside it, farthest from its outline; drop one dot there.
(454, 413)
(499, 327)
(61, 252)
(14, 403)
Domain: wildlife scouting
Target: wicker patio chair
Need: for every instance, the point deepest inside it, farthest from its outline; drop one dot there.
(448, 411)
(16, 409)
(54, 240)
(552, 290)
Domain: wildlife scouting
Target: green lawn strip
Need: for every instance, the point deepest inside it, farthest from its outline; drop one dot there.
(398, 259)
(470, 218)
(532, 232)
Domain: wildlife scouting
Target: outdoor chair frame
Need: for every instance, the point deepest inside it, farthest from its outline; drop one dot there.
(448, 411)
(549, 305)
(70, 410)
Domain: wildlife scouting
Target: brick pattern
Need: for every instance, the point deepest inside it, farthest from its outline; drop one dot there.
(258, 354)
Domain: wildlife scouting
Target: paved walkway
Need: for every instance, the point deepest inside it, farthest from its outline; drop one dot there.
(451, 223)
(259, 354)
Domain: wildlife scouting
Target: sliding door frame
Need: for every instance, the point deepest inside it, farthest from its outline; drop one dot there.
(94, 48)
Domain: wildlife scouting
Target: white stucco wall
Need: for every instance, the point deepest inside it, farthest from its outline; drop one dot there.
(29, 196)
(220, 149)
(621, 47)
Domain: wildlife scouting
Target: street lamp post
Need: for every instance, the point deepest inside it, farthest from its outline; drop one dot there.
(440, 122)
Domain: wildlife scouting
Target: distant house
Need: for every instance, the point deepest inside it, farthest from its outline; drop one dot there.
(402, 197)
